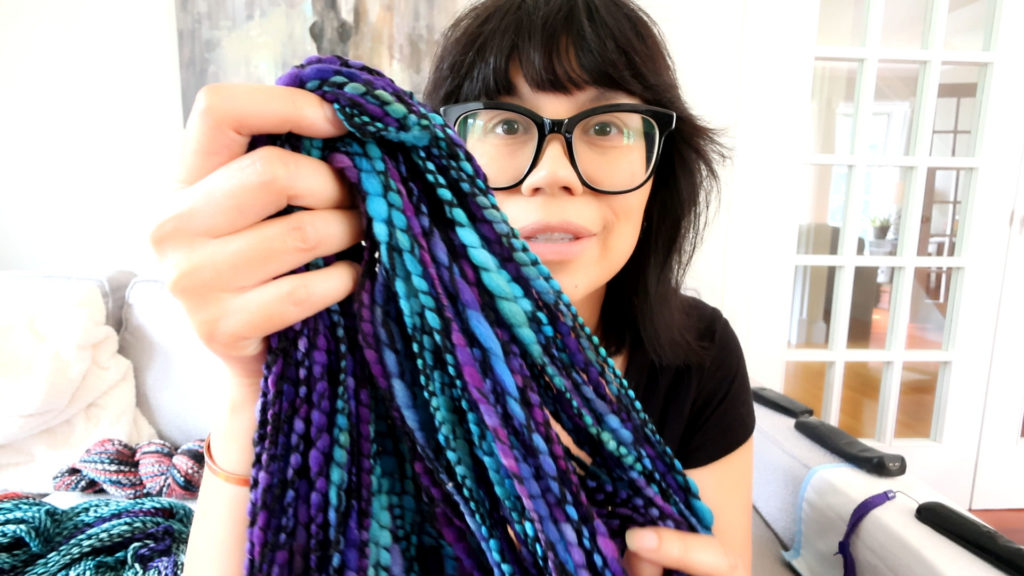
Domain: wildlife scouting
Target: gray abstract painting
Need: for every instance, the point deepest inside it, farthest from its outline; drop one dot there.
(258, 40)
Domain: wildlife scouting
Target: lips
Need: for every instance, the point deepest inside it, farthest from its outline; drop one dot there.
(555, 242)
(554, 232)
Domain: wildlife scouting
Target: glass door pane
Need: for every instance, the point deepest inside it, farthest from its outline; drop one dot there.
(862, 386)
(869, 321)
(805, 382)
(919, 386)
(929, 306)
(824, 207)
(811, 316)
(880, 208)
(946, 193)
(833, 97)
(842, 22)
(968, 24)
(903, 24)
(956, 111)
(896, 89)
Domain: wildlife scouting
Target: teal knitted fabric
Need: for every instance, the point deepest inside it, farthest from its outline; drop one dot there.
(101, 537)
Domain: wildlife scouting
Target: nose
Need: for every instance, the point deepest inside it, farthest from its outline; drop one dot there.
(553, 171)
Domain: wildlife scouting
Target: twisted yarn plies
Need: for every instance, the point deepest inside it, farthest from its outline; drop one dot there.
(101, 537)
(408, 429)
(151, 468)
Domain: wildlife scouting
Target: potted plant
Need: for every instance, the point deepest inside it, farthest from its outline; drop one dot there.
(880, 226)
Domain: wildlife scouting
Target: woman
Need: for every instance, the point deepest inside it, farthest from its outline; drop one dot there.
(616, 231)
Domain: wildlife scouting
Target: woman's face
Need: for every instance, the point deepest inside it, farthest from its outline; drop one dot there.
(582, 236)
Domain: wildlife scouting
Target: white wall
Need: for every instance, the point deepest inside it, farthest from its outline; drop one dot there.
(91, 124)
(706, 43)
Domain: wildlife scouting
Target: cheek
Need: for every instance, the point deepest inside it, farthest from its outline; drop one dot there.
(629, 215)
(514, 208)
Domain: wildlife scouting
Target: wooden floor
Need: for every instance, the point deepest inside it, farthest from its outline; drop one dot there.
(1010, 523)
(862, 384)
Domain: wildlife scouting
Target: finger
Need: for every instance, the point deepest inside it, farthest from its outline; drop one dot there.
(295, 297)
(254, 187)
(238, 330)
(271, 248)
(685, 551)
(225, 116)
(638, 566)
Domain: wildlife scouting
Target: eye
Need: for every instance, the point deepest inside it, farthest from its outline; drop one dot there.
(603, 129)
(613, 129)
(508, 127)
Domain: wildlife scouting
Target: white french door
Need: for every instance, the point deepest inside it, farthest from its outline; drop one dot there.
(860, 246)
(1001, 453)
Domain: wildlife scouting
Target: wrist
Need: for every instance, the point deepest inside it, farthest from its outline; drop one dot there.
(214, 469)
(230, 442)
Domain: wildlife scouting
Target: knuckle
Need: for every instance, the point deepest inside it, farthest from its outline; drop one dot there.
(166, 234)
(208, 102)
(188, 280)
(269, 169)
(214, 333)
(179, 284)
(351, 273)
(264, 166)
(302, 233)
(159, 237)
(299, 294)
(218, 330)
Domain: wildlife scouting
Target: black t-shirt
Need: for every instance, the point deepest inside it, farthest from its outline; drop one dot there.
(703, 410)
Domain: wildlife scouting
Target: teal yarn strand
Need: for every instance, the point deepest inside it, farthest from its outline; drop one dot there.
(409, 429)
(101, 537)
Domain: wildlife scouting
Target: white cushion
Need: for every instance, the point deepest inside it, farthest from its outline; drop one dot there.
(63, 382)
(175, 373)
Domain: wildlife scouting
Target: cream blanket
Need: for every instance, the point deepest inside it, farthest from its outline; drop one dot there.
(63, 386)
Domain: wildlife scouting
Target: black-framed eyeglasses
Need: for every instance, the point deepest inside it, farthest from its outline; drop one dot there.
(613, 148)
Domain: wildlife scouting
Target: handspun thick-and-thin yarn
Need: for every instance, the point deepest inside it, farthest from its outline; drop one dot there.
(101, 537)
(407, 429)
(152, 468)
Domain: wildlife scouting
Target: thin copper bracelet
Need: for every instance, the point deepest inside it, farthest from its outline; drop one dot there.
(229, 477)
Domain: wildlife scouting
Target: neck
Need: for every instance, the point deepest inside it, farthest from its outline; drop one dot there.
(589, 309)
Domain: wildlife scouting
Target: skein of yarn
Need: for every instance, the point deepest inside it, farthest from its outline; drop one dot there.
(150, 468)
(408, 429)
(102, 537)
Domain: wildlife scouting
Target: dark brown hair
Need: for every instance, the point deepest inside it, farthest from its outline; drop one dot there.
(566, 45)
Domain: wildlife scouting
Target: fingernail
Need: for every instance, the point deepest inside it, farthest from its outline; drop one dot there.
(641, 539)
(332, 114)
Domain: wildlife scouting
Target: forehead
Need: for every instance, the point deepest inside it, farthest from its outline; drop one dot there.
(578, 99)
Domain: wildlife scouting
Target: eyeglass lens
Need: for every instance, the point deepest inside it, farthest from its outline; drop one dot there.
(613, 152)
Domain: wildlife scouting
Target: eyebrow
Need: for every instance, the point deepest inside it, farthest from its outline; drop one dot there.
(606, 95)
(597, 97)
